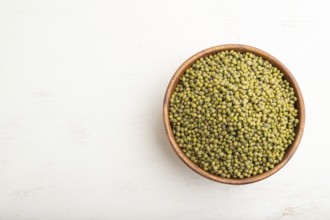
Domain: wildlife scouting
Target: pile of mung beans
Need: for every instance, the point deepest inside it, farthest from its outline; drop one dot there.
(233, 114)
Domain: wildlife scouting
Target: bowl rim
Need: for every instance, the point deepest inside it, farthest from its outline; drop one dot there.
(240, 48)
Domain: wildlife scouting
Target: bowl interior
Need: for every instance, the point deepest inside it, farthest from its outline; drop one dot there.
(287, 75)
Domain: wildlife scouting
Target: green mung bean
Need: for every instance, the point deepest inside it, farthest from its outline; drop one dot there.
(233, 114)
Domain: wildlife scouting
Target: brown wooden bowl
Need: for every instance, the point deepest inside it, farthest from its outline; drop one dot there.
(287, 75)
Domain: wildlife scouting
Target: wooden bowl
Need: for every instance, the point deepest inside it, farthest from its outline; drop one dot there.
(287, 75)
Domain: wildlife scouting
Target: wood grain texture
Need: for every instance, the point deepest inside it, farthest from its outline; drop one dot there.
(287, 75)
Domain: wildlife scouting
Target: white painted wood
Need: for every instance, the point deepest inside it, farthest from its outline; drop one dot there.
(81, 92)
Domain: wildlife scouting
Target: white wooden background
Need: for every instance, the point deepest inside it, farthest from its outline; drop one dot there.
(81, 92)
